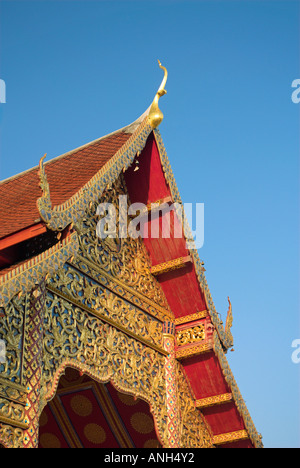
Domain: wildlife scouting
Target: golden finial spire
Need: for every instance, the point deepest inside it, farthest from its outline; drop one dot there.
(229, 321)
(155, 114)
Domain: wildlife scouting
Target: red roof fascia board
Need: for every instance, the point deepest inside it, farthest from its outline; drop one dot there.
(149, 182)
(148, 185)
(183, 293)
(205, 368)
(223, 418)
(20, 236)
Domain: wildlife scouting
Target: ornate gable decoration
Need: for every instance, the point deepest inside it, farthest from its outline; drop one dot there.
(58, 217)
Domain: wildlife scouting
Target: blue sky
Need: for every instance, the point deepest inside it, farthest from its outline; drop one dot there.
(77, 70)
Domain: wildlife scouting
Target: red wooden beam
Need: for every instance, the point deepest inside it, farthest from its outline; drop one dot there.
(20, 236)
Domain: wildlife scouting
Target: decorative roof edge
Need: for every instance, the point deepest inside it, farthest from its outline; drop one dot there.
(126, 129)
(58, 217)
(225, 335)
(23, 277)
(223, 339)
(255, 437)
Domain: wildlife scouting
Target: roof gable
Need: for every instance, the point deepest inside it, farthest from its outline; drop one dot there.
(66, 175)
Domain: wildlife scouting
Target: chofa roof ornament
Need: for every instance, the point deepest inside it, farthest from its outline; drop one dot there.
(155, 114)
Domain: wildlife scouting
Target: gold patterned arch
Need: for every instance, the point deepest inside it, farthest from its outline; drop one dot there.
(86, 413)
(102, 312)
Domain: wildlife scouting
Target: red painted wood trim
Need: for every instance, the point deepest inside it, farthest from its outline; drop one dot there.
(23, 235)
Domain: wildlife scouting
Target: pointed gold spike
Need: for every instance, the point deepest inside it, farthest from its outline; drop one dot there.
(155, 114)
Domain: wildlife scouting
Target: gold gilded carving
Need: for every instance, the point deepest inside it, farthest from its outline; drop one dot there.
(24, 277)
(190, 335)
(73, 337)
(11, 331)
(123, 258)
(12, 413)
(229, 321)
(191, 318)
(43, 178)
(194, 338)
(193, 430)
(155, 114)
(11, 437)
(121, 316)
(120, 288)
(230, 437)
(73, 209)
(13, 391)
(82, 290)
(170, 266)
(193, 350)
(171, 386)
(213, 400)
(103, 316)
(33, 365)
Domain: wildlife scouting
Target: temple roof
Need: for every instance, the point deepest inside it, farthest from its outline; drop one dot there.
(66, 175)
(54, 195)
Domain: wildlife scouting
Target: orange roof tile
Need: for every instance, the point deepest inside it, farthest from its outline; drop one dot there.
(66, 174)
